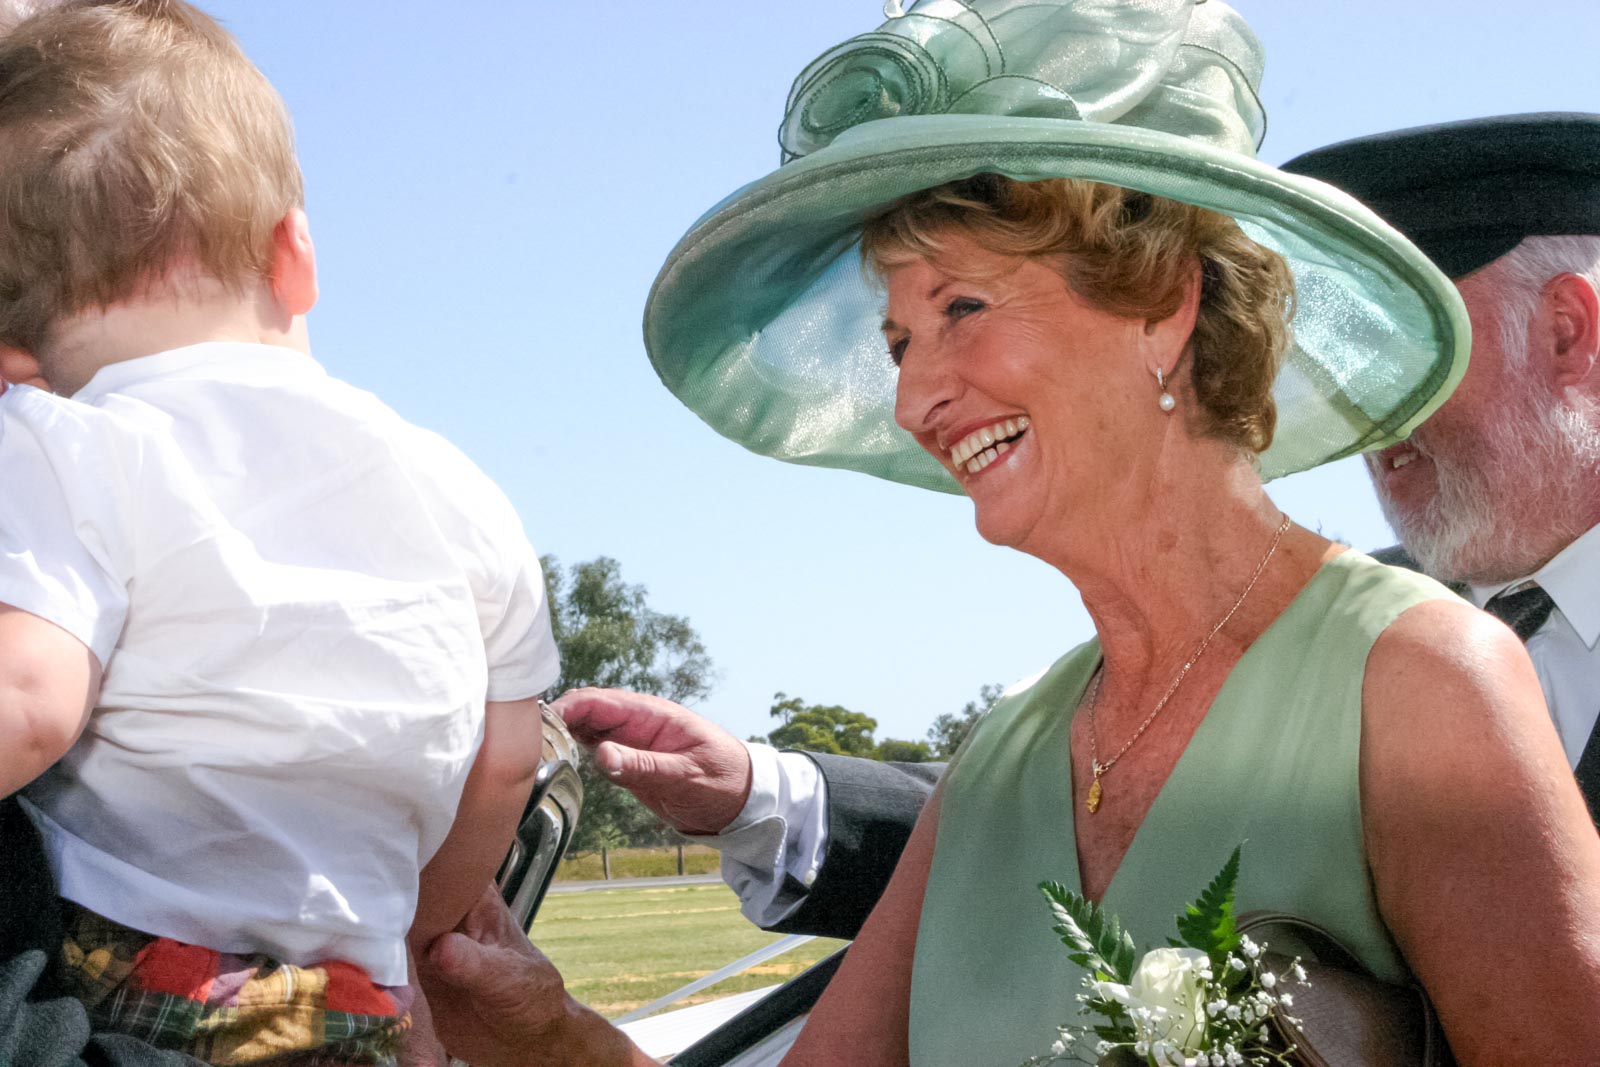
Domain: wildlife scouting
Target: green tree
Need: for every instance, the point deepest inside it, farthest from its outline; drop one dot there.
(948, 731)
(893, 751)
(822, 727)
(609, 636)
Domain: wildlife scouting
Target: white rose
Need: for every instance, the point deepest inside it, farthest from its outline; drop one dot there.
(1169, 985)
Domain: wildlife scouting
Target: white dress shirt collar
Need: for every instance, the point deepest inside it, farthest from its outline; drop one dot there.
(1572, 578)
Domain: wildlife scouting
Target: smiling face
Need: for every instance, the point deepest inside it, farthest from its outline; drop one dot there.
(1034, 400)
(1484, 490)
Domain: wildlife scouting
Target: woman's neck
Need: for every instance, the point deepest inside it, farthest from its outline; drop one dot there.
(1158, 573)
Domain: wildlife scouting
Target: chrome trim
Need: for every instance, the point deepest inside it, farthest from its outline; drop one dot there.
(548, 822)
(756, 958)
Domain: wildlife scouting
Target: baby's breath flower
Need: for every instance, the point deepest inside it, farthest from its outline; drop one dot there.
(1181, 1006)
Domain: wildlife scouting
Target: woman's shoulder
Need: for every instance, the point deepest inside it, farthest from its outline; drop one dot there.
(1072, 670)
(1444, 645)
(1425, 623)
(1357, 576)
(1413, 631)
(1034, 702)
(1448, 676)
(1353, 599)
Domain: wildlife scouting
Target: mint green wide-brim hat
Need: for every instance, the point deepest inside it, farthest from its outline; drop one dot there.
(763, 322)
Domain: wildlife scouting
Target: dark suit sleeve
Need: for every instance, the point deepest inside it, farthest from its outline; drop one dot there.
(1397, 556)
(872, 808)
(38, 1026)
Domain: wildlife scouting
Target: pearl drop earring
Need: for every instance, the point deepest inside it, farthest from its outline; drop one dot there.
(1167, 402)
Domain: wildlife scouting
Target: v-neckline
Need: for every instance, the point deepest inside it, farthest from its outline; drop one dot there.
(1202, 731)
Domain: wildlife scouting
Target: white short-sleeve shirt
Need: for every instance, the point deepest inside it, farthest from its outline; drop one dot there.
(301, 602)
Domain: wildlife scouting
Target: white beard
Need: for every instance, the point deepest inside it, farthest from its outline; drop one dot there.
(1530, 471)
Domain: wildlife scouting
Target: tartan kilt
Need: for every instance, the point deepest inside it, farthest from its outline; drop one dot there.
(228, 1009)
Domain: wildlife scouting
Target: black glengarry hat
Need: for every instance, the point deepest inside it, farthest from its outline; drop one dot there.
(1467, 192)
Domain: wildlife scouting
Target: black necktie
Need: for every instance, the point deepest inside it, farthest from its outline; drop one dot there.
(1524, 611)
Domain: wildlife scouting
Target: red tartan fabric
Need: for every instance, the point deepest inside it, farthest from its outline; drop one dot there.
(167, 966)
(234, 1011)
(350, 990)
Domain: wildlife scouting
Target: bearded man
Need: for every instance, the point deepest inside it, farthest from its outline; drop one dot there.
(1497, 494)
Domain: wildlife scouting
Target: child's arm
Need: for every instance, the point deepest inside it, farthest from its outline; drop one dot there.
(48, 684)
(496, 792)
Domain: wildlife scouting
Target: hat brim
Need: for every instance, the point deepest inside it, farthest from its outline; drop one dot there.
(763, 323)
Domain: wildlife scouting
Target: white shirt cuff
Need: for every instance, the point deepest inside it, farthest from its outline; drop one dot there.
(772, 851)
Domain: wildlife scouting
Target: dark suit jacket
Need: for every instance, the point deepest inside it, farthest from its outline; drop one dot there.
(873, 806)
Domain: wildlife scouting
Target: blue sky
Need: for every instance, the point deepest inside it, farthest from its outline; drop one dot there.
(493, 185)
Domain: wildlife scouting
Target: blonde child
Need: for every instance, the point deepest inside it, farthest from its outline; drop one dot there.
(268, 653)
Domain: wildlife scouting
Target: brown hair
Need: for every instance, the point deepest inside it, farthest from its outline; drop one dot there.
(1130, 254)
(133, 134)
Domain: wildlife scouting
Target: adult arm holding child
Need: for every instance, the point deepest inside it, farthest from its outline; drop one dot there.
(497, 1001)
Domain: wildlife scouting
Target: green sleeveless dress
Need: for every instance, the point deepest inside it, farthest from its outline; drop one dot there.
(1273, 765)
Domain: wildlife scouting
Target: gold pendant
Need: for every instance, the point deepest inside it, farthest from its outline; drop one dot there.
(1094, 795)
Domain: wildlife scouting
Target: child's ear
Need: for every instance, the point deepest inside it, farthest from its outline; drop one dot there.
(20, 368)
(294, 263)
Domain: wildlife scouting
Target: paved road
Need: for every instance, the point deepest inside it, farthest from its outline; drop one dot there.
(635, 883)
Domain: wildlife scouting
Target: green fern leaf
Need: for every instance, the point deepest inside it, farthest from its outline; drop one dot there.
(1096, 940)
(1208, 923)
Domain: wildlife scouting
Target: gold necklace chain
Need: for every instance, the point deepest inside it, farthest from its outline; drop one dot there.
(1100, 769)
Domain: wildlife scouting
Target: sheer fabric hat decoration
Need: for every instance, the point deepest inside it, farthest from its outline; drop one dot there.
(763, 322)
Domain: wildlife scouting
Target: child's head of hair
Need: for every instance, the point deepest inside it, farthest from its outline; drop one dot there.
(138, 147)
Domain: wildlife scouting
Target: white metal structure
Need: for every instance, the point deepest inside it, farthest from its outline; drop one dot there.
(666, 1034)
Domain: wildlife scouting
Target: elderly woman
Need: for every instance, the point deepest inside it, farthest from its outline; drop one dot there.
(1094, 366)
(1088, 283)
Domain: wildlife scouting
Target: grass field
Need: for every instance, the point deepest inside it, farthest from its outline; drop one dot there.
(620, 948)
(638, 863)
